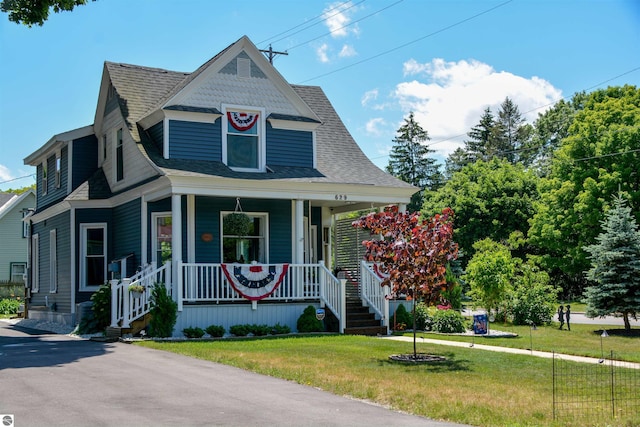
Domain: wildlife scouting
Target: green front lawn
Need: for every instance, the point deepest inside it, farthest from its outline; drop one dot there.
(473, 387)
(582, 340)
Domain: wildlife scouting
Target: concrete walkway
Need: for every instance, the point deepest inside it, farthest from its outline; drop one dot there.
(536, 353)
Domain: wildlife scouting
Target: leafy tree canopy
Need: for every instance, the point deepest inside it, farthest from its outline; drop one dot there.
(35, 12)
(615, 266)
(599, 157)
(491, 200)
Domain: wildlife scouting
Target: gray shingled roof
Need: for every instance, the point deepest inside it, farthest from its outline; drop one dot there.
(141, 90)
(5, 197)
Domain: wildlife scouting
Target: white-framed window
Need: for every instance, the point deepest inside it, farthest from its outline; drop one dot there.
(18, 270)
(53, 262)
(161, 237)
(58, 170)
(243, 147)
(119, 156)
(25, 224)
(250, 247)
(35, 263)
(93, 255)
(45, 178)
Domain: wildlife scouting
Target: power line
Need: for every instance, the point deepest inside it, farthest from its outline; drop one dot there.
(323, 14)
(409, 43)
(345, 26)
(15, 179)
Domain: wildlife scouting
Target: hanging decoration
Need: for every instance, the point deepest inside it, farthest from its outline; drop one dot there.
(237, 223)
(379, 272)
(242, 121)
(255, 282)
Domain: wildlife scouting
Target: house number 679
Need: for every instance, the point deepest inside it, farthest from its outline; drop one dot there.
(341, 197)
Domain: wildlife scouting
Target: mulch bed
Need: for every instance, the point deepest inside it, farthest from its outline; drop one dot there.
(419, 358)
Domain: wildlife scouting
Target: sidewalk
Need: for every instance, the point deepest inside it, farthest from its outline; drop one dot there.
(536, 353)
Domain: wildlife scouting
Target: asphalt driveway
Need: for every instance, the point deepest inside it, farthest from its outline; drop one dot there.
(56, 380)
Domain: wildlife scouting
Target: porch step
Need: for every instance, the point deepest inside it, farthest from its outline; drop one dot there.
(111, 332)
(137, 325)
(366, 330)
(359, 320)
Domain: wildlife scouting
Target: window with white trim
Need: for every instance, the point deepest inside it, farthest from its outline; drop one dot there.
(53, 262)
(45, 178)
(249, 247)
(93, 255)
(35, 263)
(58, 170)
(18, 270)
(25, 224)
(119, 156)
(244, 146)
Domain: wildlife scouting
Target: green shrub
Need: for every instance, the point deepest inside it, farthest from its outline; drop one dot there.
(401, 319)
(533, 300)
(215, 331)
(99, 317)
(424, 316)
(240, 330)
(193, 332)
(448, 321)
(307, 322)
(9, 306)
(260, 330)
(164, 312)
(279, 329)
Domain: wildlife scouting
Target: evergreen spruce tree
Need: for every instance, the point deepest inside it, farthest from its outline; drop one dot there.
(481, 145)
(615, 261)
(511, 131)
(409, 160)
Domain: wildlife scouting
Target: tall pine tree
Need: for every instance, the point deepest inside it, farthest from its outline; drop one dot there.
(615, 266)
(481, 142)
(409, 160)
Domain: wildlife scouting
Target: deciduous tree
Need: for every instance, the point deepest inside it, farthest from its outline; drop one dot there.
(35, 12)
(414, 252)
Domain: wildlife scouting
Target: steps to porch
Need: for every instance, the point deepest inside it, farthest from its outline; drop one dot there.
(360, 321)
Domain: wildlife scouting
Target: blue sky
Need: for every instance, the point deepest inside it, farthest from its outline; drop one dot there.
(375, 59)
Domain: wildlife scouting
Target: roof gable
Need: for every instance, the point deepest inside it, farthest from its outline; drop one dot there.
(9, 201)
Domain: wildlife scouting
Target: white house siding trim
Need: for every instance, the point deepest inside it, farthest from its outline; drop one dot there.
(53, 261)
(191, 228)
(176, 236)
(72, 258)
(35, 263)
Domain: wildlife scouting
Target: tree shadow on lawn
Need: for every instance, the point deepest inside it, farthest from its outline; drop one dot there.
(633, 333)
(448, 364)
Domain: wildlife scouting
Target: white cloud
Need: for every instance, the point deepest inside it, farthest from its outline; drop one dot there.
(347, 51)
(322, 53)
(337, 17)
(5, 173)
(448, 98)
(373, 126)
(369, 97)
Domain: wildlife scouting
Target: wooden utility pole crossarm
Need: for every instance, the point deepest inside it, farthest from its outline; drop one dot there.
(270, 53)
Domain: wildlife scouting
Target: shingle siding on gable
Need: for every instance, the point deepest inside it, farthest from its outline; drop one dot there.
(289, 147)
(195, 141)
(85, 159)
(127, 234)
(232, 67)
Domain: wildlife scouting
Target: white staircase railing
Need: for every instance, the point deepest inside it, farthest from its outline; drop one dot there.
(373, 294)
(126, 306)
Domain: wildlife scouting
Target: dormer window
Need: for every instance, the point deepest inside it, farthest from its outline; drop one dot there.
(244, 149)
(58, 167)
(45, 180)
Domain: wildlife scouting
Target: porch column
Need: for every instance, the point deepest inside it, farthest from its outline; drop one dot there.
(299, 234)
(176, 239)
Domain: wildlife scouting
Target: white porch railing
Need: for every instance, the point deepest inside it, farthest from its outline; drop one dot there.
(373, 294)
(125, 306)
(207, 283)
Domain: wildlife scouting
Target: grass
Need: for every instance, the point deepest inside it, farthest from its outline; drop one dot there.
(472, 387)
(582, 340)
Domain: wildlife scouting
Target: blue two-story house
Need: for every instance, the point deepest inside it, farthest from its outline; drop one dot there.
(146, 193)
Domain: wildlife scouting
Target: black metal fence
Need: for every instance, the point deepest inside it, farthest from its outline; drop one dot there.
(596, 393)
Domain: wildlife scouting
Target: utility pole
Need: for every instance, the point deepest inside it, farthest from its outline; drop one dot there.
(270, 53)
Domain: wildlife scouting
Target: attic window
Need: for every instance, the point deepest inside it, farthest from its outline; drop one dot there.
(244, 148)
(244, 67)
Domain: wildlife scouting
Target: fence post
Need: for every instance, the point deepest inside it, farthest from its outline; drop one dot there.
(126, 311)
(613, 401)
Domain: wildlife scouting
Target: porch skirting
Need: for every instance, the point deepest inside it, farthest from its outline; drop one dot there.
(44, 314)
(227, 315)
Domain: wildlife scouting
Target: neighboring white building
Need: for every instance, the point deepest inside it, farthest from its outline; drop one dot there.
(14, 235)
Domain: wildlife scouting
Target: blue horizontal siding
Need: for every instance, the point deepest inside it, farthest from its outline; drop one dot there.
(195, 141)
(127, 233)
(289, 147)
(156, 134)
(85, 159)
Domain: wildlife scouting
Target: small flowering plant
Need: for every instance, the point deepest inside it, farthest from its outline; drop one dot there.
(136, 287)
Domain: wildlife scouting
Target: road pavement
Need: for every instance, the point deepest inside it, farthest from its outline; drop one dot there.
(58, 380)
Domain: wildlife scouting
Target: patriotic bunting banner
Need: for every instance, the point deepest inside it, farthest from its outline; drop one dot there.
(379, 272)
(255, 282)
(242, 121)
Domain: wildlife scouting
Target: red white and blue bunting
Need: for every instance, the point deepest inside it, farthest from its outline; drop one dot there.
(242, 121)
(382, 275)
(255, 282)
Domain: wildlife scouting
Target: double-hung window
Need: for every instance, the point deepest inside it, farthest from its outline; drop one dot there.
(53, 262)
(244, 141)
(58, 166)
(35, 263)
(45, 178)
(93, 251)
(249, 247)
